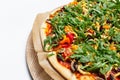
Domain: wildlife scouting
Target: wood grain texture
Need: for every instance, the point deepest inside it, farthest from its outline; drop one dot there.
(37, 72)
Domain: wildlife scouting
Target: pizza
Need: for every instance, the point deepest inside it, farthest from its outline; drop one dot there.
(82, 40)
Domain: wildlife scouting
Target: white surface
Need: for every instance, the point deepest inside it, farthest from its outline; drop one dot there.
(16, 20)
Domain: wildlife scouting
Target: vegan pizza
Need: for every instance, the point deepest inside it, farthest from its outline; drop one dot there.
(83, 40)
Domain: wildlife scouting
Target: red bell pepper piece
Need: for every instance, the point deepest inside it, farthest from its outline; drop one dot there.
(71, 36)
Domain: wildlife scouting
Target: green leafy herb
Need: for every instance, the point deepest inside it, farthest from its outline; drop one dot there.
(116, 38)
(105, 69)
(47, 41)
(111, 31)
(118, 47)
(51, 54)
(97, 65)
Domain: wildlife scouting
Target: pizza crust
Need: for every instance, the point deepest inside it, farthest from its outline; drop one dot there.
(42, 34)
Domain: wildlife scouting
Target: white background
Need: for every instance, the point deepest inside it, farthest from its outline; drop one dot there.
(16, 20)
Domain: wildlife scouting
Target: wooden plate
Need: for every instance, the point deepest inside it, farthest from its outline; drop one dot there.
(34, 68)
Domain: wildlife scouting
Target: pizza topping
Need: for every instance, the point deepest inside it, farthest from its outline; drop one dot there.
(74, 47)
(60, 57)
(66, 40)
(112, 46)
(81, 71)
(67, 53)
(68, 29)
(89, 33)
(65, 64)
(57, 47)
(77, 75)
(111, 77)
(106, 26)
(71, 37)
(48, 29)
(74, 66)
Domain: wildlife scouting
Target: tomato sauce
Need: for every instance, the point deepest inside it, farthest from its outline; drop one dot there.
(65, 64)
(77, 75)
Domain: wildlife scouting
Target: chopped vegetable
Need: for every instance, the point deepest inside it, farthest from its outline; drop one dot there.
(106, 26)
(48, 29)
(66, 40)
(70, 36)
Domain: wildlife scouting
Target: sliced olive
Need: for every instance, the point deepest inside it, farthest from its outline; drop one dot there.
(60, 57)
(111, 77)
(74, 66)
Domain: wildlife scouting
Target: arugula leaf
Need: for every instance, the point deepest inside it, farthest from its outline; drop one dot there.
(76, 56)
(79, 50)
(96, 66)
(117, 5)
(90, 42)
(84, 59)
(111, 31)
(101, 45)
(47, 41)
(118, 47)
(109, 58)
(105, 69)
(116, 38)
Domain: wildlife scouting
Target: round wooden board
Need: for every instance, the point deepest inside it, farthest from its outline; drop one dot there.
(34, 68)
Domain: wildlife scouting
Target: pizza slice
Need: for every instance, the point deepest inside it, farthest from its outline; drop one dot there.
(82, 40)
